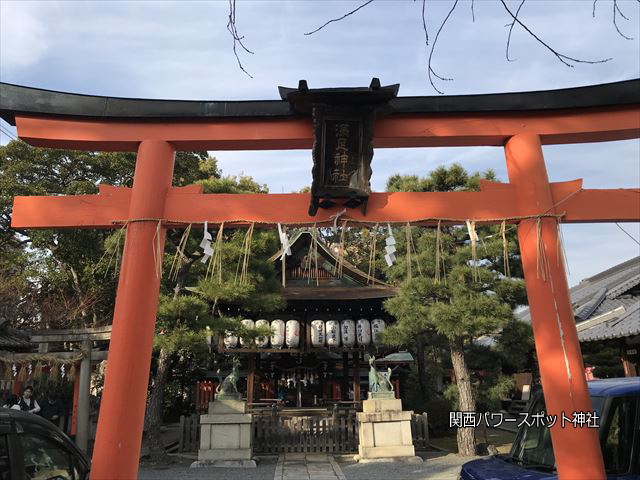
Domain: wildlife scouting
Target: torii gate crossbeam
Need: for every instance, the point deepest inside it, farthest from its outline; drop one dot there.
(529, 200)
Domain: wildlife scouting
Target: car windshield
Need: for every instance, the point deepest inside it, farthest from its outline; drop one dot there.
(532, 447)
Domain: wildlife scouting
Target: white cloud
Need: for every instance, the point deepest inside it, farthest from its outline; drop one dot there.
(23, 38)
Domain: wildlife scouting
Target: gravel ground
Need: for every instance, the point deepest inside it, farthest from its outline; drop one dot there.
(436, 466)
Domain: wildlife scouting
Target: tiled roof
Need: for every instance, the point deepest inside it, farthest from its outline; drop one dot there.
(10, 339)
(602, 294)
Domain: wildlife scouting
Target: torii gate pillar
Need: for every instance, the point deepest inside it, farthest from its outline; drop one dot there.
(577, 450)
(122, 408)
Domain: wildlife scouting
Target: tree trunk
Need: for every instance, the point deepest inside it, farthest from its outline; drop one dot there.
(466, 401)
(153, 418)
(422, 381)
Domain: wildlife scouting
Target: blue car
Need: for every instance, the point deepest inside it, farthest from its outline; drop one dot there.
(617, 403)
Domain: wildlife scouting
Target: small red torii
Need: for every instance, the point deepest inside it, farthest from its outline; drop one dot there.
(600, 113)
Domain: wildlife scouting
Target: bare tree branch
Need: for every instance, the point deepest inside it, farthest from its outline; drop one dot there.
(593, 12)
(616, 10)
(340, 18)
(424, 24)
(473, 13)
(430, 70)
(237, 39)
(511, 31)
(565, 59)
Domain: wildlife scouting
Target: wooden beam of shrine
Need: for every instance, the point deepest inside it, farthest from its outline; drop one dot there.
(110, 209)
(418, 130)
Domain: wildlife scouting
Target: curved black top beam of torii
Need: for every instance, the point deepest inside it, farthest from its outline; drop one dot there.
(17, 99)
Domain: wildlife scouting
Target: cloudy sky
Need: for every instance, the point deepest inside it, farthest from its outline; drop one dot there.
(183, 50)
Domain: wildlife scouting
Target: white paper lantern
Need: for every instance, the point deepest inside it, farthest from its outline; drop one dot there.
(262, 342)
(293, 333)
(333, 333)
(348, 333)
(363, 332)
(317, 333)
(377, 327)
(249, 325)
(230, 340)
(277, 337)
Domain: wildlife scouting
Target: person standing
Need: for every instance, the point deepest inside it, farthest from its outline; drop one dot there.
(27, 402)
(51, 409)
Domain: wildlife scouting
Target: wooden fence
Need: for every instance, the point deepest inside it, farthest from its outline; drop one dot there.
(420, 431)
(305, 434)
(189, 433)
(302, 434)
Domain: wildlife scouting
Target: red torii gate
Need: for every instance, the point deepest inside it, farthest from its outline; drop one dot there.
(156, 129)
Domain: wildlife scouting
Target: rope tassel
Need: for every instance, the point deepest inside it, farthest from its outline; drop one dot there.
(157, 254)
(541, 260)
(215, 264)
(372, 256)
(179, 257)
(473, 236)
(505, 249)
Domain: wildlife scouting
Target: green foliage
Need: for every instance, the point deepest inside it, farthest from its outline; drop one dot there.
(488, 391)
(63, 280)
(516, 346)
(261, 292)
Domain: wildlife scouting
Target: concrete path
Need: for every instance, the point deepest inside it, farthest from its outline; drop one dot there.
(300, 466)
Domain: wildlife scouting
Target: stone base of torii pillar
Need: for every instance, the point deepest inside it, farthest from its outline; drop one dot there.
(225, 434)
(385, 430)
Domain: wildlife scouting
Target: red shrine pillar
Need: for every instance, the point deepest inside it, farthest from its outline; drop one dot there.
(118, 438)
(577, 450)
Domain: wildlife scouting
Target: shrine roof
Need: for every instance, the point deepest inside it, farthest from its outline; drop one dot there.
(606, 305)
(18, 99)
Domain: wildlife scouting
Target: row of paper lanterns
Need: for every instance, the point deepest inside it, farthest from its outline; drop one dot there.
(330, 333)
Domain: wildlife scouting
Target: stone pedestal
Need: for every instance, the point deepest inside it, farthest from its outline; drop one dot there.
(225, 434)
(385, 430)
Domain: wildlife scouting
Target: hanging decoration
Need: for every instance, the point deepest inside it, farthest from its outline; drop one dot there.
(243, 260)
(205, 244)
(541, 260)
(410, 249)
(278, 335)
(157, 249)
(215, 264)
(371, 272)
(54, 371)
(473, 237)
(505, 249)
(390, 247)
(37, 372)
(439, 272)
(311, 262)
(179, 257)
(25, 365)
(115, 253)
(348, 333)
(286, 250)
(23, 374)
(341, 250)
(71, 376)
